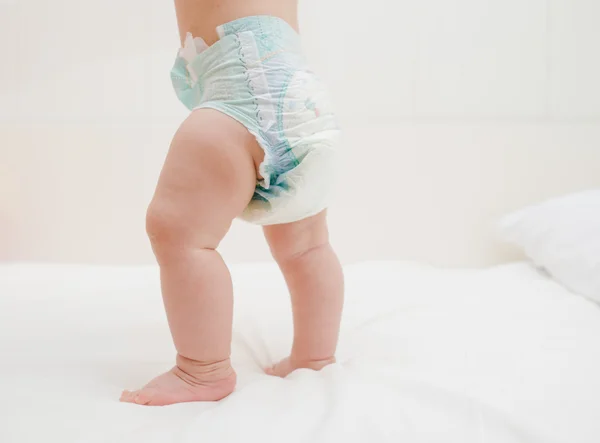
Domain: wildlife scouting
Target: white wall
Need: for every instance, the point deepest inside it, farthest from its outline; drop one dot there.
(455, 112)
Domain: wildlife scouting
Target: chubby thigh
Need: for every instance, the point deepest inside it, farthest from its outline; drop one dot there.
(207, 180)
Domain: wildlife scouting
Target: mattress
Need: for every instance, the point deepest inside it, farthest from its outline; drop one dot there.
(500, 355)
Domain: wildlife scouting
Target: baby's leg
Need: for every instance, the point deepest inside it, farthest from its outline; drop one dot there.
(314, 277)
(208, 178)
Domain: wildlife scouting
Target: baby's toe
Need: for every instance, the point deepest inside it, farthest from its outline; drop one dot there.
(142, 398)
(127, 396)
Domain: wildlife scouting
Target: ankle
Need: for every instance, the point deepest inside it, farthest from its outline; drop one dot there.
(201, 372)
(310, 362)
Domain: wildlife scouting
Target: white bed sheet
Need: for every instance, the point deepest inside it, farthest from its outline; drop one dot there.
(501, 355)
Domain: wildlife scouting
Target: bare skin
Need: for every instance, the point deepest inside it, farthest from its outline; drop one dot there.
(201, 17)
(314, 278)
(207, 180)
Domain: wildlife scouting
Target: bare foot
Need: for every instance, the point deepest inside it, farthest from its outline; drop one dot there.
(188, 381)
(289, 365)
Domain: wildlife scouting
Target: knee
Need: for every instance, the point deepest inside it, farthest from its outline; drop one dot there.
(163, 229)
(289, 243)
(171, 236)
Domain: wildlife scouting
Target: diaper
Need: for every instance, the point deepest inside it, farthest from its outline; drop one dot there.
(256, 74)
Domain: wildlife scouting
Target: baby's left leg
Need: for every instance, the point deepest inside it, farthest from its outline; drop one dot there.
(208, 179)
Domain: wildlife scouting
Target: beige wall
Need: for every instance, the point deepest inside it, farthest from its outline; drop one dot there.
(452, 118)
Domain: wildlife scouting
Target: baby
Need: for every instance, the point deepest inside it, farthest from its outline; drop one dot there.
(260, 145)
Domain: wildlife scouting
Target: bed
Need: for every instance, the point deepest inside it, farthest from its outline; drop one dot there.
(500, 355)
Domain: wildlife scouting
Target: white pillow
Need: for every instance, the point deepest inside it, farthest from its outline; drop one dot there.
(562, 236)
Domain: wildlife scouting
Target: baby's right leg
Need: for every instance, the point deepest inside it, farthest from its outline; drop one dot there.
(315, 280)
(208, 179)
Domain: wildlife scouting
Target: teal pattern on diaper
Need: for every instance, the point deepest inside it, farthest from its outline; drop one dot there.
(271, 33)
(256, 73)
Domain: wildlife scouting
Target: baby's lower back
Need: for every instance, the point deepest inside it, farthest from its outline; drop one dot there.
(201, 17)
